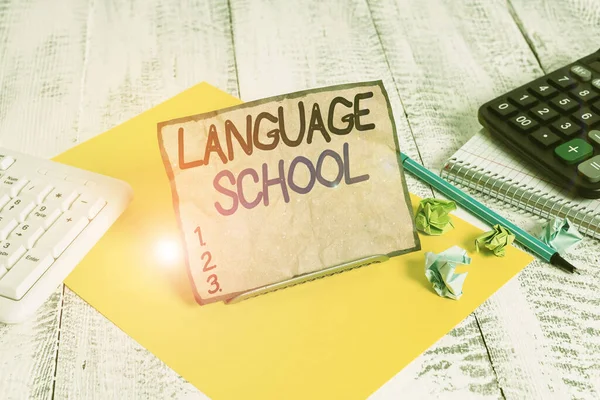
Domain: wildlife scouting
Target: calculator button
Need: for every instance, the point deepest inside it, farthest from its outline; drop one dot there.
(523, 99)
(585, 117)
(524, 123)
(503, 108)
(583, 74)
(590, 169)
(543, 90)
(564, 103)
(584, 94)
(544, 138)
(544, 113)
(562, 81)
(565, 127)
(594, 136)
(574, 151)
(596, 106)
(596, 83)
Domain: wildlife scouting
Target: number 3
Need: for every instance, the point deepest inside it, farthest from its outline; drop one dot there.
(214, 283)
(566, 125)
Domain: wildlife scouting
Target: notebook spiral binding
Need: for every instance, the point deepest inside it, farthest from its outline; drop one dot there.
(521, 195)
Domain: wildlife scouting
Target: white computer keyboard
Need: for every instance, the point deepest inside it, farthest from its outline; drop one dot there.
(51, 215)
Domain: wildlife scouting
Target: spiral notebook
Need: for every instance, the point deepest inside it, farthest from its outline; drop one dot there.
(485, 165)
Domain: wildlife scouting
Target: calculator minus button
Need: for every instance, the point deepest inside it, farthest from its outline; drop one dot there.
(503, 108)
(524, 123)
(582, 73)
(594, 136)
(574, 151)
(544, 138)
(523, 100)
(590, 169)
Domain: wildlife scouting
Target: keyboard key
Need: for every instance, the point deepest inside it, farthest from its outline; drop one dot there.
(61, 197)
(37, 190)
(60, 235)
(5, 162)
(10, 253)
(574, 151)
(18, 208)
(543, 90)
(594, 137)
(590, 169)
(4, 199)
(581, 73)
(7, 225)
(27, 234)
(544, 113)
(585, 117)
(545, 138)
(564, 104)
(524, 100)
(44, 215)
(562, 81)
(503, 108)
(12, 184)
(88, 206)
(584, 94)
(524, 123)
(565, 127)
(25, 273)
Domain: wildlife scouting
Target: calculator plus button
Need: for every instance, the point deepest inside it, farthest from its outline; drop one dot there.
(564, 103)
(585, 117)
(523, 100)
(584, 94)
(574, 151)
(524, 123)
(565, 127)
(543, 90)
(562, 81)
(503, 108)
(581, 73)
(590, 169)
(544, 138)
(594, 137)
(544, 113)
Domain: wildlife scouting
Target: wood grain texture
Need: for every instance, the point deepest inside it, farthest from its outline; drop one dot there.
(139, 54)
(541, 329)
(314, 44)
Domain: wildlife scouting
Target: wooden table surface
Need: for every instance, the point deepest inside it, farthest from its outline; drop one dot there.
(71, 69)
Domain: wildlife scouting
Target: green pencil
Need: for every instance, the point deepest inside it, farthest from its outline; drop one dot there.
(538, 247)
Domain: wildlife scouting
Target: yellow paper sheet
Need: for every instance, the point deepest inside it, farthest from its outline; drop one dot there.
(339, 337)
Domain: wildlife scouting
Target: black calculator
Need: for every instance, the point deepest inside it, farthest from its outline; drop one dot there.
(554, 123)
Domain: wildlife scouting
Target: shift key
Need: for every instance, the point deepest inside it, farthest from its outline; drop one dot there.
(62, 233)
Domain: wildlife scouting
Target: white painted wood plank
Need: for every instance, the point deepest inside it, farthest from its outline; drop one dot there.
(541, 329)
(283, 47)
(138, 54)
(41, 63)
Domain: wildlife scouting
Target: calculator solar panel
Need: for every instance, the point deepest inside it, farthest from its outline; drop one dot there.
(554, 123)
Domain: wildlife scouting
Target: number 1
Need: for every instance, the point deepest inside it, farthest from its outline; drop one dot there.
(197, 230)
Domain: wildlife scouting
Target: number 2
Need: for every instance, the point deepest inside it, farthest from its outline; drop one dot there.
(543, 111)
(197, 230)
(206, 267)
